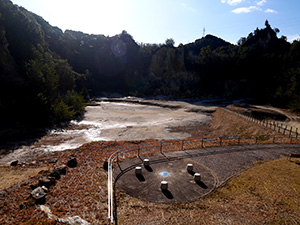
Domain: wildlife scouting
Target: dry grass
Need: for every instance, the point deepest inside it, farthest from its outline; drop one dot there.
(12, 175)
(82, 191)
(267, 193)
(228, 124)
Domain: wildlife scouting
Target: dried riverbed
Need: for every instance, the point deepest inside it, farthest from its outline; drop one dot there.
(119, 119)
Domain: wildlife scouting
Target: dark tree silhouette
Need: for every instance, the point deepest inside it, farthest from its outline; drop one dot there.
(170, 42)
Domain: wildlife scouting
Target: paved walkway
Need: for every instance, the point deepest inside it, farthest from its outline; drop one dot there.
(216, 165)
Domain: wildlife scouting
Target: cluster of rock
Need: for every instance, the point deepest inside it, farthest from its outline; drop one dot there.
(39, 190)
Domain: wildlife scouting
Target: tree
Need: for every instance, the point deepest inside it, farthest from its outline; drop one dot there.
(170, 42)
(52, 83)
(242, 41)
(267, 24)
(277, 30)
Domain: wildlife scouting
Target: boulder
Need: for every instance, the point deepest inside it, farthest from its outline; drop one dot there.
(45, 182)
(105, 165)
(72, 162)
(54, 173)
(52, 179)
(34, 186)
(39, 195)
(62, 169)
(14, 163)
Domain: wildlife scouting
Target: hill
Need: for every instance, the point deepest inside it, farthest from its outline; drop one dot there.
(37, 87)
(46, 73)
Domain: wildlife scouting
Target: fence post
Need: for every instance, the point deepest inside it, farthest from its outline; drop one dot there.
(202, 143)
(182, 145)
(220, 141)
(274, 139)
(291, 131)
(138, 150)
(160, 147)
(284, 130)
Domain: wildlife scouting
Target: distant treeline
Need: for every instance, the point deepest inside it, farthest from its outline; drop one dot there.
(46, 74)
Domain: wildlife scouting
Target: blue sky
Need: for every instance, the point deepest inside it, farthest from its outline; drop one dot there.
(153, 21)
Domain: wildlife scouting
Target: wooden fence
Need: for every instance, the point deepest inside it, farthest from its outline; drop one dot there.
(271, 124)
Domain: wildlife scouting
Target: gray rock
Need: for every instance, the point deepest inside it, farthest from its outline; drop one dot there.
(45, 182)
(14, 163)
(54, 173)
(39, 195)
(53, 180)
(75, 220)
(62, 169)
(34, 186)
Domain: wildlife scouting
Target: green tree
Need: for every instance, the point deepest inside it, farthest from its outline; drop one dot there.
(53, 85)
(61, 112)
(170, 42)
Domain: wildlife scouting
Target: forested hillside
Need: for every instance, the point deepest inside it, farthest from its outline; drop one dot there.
(45, 74)
(37, 87)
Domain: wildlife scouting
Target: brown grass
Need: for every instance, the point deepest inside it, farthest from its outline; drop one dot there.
(267, 193)
(224, 124)
(228, 124)
(12, 175)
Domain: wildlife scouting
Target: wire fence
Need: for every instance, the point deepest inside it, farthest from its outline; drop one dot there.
(182, 145)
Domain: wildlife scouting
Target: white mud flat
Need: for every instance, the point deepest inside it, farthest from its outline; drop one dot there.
(125, 119)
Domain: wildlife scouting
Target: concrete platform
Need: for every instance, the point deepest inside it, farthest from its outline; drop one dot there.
(216, 166)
